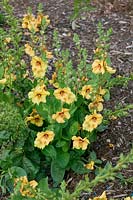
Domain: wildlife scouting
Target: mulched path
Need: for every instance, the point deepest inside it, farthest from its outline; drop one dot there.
(119, 16)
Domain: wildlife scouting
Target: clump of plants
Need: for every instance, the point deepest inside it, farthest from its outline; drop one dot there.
(10, 129)
(62, 111)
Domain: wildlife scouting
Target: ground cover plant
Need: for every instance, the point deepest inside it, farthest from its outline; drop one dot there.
(62, 109)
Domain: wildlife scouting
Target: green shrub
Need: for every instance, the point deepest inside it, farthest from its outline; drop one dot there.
(12, 127)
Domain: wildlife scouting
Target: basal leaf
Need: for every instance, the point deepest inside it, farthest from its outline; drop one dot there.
(107, 95)
(43, 185)
(17, 171)
(61, 143)
(62, 158)
(49, 151)
(30, 168)
(78, 167)
(73, 129)
(57, 172)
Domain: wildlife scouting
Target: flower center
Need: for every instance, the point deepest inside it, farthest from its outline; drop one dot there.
(80, 141)
(88, 90)
(99, 66)
(46, 136)
(37, 119)
(38, 63)
(94, 119)
(62, 92)
(61, 114)
(39, 95)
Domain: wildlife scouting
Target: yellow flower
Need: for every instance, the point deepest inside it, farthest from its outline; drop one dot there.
(35, 118)
(26, 20)
(29, 50)
(86, 91)
(33, 183)
(80, 143)
(113, 117)
(38, 67)
(110, 70)
(53, 80)
(47, 53)
(65, 95)
(46, 19)
(96, 105)
(92, 121)
(97, 50)
(61, 116)
(30, 22)
(7, 77)
(101, 91)
(26, 188)
(84, 78)
(56, 85)
(98, 98)
(38, 94)
(102, 197)
(39, 19)
(128, 198)
(90, 165)
(98, 67)
(23, 180)
(43, 139)
(58, 64)
(7, 40)
(111, 145)
(54, 77)
(3, 81)
(11, 77)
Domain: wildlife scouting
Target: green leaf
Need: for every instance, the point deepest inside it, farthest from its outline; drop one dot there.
(93, 155)
(1, 72)
(108, 60)
(2, 19)
(102, 128)
(92, 136)
(57, 128)
(107, 95)
(43, 185)
(49, 151)
(30, 168)
(42, 110)
(57, 172)
(61, 143)
(54, 105)
(17, 171)
(66, 147)
(73, 129)
(78, 167)
(63, 158)
(80, 114)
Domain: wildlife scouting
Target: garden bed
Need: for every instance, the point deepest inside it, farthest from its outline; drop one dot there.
(117, 138)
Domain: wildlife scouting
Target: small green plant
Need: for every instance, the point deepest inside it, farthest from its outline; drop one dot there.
(80, 6)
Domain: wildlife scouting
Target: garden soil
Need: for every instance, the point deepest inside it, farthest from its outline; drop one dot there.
(118, 15)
